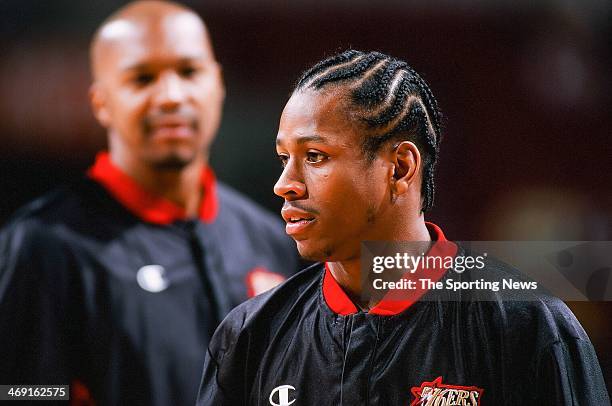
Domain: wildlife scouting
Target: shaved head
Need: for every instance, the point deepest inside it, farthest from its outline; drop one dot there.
(133, 20)
(157, 87)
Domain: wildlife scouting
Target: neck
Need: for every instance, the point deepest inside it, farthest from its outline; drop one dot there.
(181, 186)
(348, 272)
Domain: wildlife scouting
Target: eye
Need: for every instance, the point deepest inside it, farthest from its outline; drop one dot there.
(143, 78)
(283, 159)
(315, 157)
(188, 71)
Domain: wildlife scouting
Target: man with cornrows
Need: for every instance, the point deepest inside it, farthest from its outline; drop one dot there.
(359, 141)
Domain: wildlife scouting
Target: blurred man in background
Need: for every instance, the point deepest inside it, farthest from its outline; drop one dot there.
(114, 284)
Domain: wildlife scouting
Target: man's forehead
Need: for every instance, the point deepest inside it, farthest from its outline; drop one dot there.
(134, 39)
(117, 30)
(308, 111)
(304, 133)
(172, 30)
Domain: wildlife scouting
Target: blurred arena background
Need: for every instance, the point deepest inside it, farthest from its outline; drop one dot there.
(525, 87)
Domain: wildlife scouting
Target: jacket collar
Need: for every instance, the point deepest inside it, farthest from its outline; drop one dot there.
(394, 301)
(146, 205)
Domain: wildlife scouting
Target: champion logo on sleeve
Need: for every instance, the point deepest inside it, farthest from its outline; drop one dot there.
(152, 278)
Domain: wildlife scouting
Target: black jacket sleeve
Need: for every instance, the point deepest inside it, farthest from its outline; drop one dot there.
(219, 387)
(231, 360)
(225, 380)
(568, 373)
(33, 309)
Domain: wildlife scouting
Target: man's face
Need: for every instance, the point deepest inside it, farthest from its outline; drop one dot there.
(158, 89)
(334, 197)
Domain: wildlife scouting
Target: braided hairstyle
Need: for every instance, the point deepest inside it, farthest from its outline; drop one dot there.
(392, 101)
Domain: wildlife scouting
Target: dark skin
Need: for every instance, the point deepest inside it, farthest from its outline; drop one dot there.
(158, 91)
(334, 197)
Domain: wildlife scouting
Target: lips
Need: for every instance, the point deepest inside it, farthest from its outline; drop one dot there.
(177, 131)
(171, 126)
(297, 220)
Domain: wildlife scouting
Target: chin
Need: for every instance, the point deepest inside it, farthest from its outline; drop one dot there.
(314, 254)
(173, 161)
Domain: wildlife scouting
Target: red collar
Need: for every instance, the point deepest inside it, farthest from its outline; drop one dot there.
(394, 301)
(149, 207)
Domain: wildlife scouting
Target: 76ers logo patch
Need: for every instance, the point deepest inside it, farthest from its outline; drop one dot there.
(259, 280)
(435, 393)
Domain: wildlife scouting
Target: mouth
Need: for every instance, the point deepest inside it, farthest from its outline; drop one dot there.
(297, 220)
(171, 127)
(172, 132)
(297, 225)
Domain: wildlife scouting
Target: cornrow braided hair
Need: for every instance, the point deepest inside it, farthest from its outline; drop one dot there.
(392, 100)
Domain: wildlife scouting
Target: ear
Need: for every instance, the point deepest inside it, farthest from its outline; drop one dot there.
(221, 80)
(407, 164)
(98, 101)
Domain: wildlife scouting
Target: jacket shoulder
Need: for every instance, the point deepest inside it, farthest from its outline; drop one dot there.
(69, 202)
(260, 314)
(38, 216)
(532, 313)
(61, 218)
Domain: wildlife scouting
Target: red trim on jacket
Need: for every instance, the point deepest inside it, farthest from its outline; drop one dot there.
(394, 301)
(146, 205)
(80, 395)
(335, 297)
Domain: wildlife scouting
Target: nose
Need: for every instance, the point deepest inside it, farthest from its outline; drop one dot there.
(170, 91)
(289, 186)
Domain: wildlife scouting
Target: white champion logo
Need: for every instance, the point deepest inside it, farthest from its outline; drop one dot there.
(283, 395)
(152, 278)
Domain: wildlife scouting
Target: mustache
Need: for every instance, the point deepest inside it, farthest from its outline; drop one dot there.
(159, 119)
(300, 206)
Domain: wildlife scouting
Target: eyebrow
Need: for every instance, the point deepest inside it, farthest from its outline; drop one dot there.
(146, 65)
(307, 138)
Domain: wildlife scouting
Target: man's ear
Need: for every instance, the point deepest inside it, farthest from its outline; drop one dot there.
(221, 80)
(97, 98)
(407, 164)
